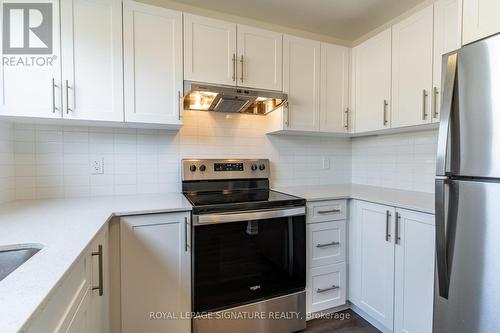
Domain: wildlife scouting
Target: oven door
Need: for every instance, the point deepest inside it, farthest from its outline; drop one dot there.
(244, 257)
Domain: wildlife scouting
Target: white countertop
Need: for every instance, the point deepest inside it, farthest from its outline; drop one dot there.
(64, 227)
(419, 201)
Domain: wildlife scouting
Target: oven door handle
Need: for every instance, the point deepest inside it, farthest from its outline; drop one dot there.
(247, 216)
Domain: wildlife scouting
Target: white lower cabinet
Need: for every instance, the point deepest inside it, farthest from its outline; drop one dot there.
(326, 253)
(80, 302)
(391, 266)
(155, 272)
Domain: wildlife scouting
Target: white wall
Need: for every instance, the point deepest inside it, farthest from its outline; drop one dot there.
(53, 161)
(6, 162)
(403, 161)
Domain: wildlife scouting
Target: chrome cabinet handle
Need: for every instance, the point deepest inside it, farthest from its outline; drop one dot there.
(320, 290)
(67, 97)
(100, 287)
(54, 107)
(346, 126)
(327, 244)
(398, 225)
(435, 113)
(234, 66)
(287, 121)
(329, 211)
(242, 67)
(181, 104)
(186, 228)
(386, 103)
(424, 104)
(387, 226)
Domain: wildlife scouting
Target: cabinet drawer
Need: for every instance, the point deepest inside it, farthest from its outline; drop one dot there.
(326, 243)
(326, 211)
(327, 287)
(59, 310)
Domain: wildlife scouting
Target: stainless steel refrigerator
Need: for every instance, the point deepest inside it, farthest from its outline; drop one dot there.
(467, 289)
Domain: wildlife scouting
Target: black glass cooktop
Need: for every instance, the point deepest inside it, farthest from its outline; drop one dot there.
(223, 201)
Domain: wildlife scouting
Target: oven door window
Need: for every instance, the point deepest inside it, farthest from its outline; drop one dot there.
(242, 262)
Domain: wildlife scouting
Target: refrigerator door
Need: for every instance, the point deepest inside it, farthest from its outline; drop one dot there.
(474, 117)
(467, 290)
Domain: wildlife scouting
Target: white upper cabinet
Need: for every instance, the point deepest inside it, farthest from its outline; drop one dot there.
(480, 19)
(414, 272)
(92, 74)
(334, 94)
(301, 81)
(412, 56)
(152, 64)
(209, 50)
(447, 38)
(372, 83)
(31, 89)
(260, 58)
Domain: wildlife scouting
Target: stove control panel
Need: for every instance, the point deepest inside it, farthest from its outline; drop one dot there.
(199, 169)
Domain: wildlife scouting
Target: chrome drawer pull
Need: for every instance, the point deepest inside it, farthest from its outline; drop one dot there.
(329, 211)
(319, 290)
(327, 244)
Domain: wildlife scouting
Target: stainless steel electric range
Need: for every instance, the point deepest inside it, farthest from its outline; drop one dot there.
(249, 249)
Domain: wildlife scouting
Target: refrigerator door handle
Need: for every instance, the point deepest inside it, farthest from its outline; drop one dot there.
(441, 244)
(449, 75)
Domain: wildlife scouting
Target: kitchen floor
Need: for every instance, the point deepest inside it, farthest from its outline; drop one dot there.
(343, 322)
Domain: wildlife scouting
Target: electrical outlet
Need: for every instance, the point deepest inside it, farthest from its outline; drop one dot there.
(326, 163)
(97, 166)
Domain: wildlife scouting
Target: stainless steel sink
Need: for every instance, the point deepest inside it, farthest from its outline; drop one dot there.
(11, 259)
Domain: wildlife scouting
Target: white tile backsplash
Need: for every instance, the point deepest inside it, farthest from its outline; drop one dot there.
(7, 179)
(402, 161)
(54, 161)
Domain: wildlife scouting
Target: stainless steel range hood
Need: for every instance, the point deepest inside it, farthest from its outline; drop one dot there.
(211, 97)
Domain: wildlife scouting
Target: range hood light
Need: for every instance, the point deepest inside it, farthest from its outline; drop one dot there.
(210, 97)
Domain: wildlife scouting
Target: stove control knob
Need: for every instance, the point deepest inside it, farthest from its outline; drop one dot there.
(254, 167)
(262, 167)
(192, 168)
(203, 167)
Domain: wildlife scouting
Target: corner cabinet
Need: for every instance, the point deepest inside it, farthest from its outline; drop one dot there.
(372, 83)
(155, 260)
(391, 266)
(80, 302)
(301, 81)
(412, 42)
(152, 64)
(480, 19)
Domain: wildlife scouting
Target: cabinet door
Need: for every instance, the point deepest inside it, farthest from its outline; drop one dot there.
(153, 64)
(372, 83)
(99, 304)
(260, 58)
(447, 38)
(301, 81)
(155, 272)
(31, 71)
(209, 50)
(92, 85)
(480, 19)
(414, 276)
(81, 321)
(334, 107)
(412, 69)
(375, 261)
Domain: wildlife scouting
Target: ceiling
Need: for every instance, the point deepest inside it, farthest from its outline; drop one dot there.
(343, 19)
